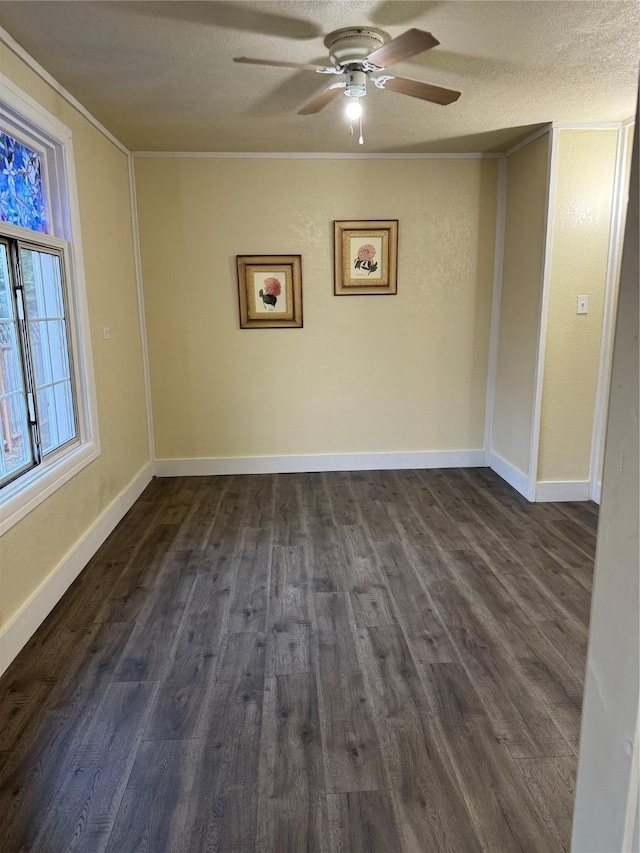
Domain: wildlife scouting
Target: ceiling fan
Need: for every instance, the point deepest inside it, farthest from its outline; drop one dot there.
(357, 54)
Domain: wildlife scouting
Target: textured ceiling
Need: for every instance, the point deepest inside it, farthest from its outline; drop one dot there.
(160, 75)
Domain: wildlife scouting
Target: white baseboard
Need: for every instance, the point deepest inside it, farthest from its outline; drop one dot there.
(510, 474)
(596, 493)
(560, 490)
(319, 462)
(21, 627)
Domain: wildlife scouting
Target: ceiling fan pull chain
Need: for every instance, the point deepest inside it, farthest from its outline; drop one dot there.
(361, 140)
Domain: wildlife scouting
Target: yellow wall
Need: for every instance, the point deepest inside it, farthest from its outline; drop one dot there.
(365, 374)
(581, 225)
(31, 549)
(525, 224)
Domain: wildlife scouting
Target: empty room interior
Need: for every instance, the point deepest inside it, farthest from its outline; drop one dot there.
(287, 565)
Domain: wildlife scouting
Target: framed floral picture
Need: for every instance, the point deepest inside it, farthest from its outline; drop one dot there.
(365, 257)
(270, 291)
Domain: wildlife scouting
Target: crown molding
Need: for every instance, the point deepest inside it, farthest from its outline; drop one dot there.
(587, 125)
(309, 155)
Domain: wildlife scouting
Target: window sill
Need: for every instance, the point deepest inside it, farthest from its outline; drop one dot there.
(27, 492)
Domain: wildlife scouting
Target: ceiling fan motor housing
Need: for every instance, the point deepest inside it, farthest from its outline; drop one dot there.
(352, 45)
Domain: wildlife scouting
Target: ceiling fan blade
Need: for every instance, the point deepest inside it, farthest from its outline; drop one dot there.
(403, 47)
(321, 100)
(232, 16)
(321, 69)
(425, 91)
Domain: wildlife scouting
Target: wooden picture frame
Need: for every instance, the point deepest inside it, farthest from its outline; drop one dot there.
(270, 291)
(365, 253)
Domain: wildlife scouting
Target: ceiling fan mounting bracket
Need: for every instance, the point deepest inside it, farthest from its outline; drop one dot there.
(380, 81)
(352, 45)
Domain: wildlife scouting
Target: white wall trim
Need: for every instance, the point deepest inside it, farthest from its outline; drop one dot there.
(543, 316)
(614, 250)
(587, 125)
(141, 311)
(21, 627)
(35, 66)
(82, 345)
(319, 462)
(568, 125)
(309, 155)
(529, 139)
(558, 490)
(629, 121)
(32, 111)
(496, 299)
(510, 474)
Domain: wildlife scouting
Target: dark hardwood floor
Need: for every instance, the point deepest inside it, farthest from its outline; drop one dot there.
(372, 661)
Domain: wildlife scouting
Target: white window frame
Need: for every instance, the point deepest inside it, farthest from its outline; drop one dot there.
(40, 129)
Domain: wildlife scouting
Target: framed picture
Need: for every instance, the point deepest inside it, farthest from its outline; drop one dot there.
(365, 257)
(270, 291)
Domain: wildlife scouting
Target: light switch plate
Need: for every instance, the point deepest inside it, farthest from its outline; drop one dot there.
(583, 305)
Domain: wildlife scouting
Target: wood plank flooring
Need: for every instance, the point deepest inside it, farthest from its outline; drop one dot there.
(334, 663)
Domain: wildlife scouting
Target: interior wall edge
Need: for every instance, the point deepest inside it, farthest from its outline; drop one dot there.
(529, 139)
(313, 463)
(616, 236)
(7, 39)
(25, 622)
(605, 792)
(494, 335)
(543, 315)
(141, 311)
(510, 474)
(632, 816)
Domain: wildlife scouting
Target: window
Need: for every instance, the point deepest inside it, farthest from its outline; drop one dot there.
(37, 413)
(21, 186)
(48, 423)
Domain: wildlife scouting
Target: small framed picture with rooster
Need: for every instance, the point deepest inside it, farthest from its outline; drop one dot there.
(270, 291)
(365, 257)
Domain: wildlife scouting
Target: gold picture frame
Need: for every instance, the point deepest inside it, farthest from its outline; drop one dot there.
(270, 291)
(365, 253)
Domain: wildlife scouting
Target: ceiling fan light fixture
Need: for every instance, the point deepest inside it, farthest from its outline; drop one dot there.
(354, 110)
(355, 84)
